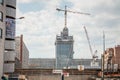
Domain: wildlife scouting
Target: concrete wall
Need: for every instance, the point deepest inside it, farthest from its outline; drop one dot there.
(17, 47)
(22, 53)
(51, 74)
(58, 77)
(25, 56)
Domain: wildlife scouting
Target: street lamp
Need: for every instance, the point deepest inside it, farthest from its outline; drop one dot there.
(10, 27)
(20, 17)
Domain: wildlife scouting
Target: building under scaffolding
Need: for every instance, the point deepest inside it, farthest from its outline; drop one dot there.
(112, 59)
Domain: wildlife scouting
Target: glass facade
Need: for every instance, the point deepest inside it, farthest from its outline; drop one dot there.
(64, 50)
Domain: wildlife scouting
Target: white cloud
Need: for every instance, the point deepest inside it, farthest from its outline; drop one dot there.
(41, 27)
(24, 1)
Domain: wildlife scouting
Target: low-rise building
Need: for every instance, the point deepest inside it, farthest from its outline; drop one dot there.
(112, 58)
(47, 63)
(22, 53)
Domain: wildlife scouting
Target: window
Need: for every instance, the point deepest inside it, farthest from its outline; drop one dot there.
(1, 16)
(0, 33)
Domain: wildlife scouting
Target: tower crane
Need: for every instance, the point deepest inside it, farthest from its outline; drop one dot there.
(65, 14)
(65, 10)
(94, 56)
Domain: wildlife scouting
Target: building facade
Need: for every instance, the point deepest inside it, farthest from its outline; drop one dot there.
(9, 54)
(22, 53)
(2, 33)
(42, 63)
(50, 63)
(112, 58)
(64, 49)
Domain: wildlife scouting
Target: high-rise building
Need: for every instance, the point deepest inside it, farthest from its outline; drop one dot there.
(2, 33)
(9, 54)
(64, 49)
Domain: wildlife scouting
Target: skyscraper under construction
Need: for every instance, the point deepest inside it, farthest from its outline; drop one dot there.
(64, 49)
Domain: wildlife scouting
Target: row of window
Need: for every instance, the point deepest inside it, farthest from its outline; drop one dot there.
(1, 14)
(1, 18)
(1, 33)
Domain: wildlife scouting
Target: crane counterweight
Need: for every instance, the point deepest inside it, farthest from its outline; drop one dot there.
(58, 9)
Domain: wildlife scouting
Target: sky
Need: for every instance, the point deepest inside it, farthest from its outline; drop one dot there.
(43, 22)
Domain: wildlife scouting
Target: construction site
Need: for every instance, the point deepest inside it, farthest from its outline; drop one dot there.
(18, 66)
(67, 68)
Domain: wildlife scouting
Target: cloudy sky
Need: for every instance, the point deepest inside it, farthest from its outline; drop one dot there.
(42, 23)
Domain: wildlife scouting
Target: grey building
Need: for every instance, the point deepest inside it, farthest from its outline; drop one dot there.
(9, 55)
(49, 63)
(22, 53)
(64, 49)
(7, 35)
(43, 63)
(2, 33)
